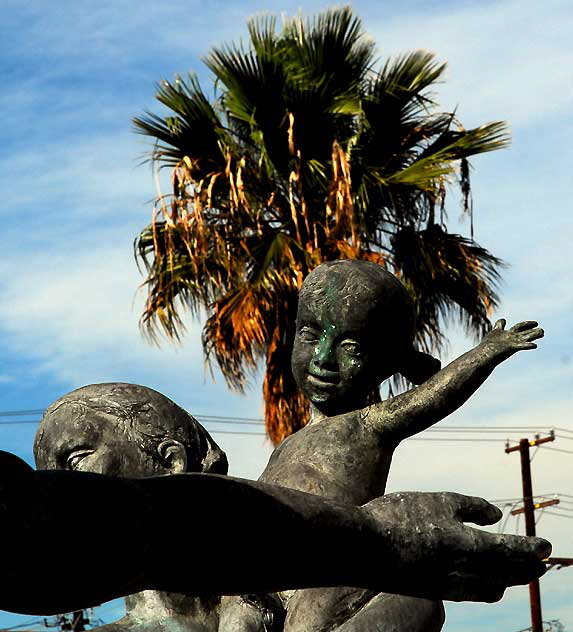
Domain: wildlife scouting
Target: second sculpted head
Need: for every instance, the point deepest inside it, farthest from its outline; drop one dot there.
(122, 429)
(355, 328)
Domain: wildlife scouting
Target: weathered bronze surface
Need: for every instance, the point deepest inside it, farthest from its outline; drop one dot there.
(173, 542)
(355, 329)
(129, 430)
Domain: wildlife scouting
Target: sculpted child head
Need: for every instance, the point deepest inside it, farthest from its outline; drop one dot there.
(124, 430)
(355, 328)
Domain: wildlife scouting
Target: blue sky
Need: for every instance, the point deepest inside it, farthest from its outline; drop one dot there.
(75, 195)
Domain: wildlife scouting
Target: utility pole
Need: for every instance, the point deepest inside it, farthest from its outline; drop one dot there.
(559, 562)
(528, 510)
(79, 619)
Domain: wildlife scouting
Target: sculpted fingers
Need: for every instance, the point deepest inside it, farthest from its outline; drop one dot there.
(517, 338)
(517, 560)
(526, 324)
(493, 563)
(516, 547)
(528, 548)
(484, 587)
(477, 510)
(526, 332)
(532, 334)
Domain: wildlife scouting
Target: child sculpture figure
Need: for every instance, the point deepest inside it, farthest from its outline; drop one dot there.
(355, 329)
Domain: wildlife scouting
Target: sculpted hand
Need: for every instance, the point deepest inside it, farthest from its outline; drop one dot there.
(520, 337)
(438, 556)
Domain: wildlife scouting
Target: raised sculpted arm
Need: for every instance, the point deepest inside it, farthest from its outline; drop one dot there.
(442, 394)
(70, 540)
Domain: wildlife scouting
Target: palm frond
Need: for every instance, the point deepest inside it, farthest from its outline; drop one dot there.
(286, 408)
(329, 54)
(447, 274)
(404, 80)
(193, 132)
(244, 319)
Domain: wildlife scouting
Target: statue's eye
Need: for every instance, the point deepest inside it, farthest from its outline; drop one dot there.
(307, 334)
(351, 347)
(76, 457)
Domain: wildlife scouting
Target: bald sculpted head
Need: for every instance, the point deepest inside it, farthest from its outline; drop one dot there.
(122, 429)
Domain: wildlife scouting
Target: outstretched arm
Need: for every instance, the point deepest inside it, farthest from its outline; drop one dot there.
(70, 540)
(425, 405)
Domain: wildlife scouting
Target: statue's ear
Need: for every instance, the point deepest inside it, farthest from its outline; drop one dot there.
(215, 460)
(173, 456)
(419, 366)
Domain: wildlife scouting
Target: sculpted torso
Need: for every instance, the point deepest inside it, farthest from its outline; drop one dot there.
(342, 458)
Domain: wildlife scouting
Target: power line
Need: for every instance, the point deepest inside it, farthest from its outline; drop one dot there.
(554, 513)
(564, 508)
(557, 450)
(259, 420)
(469, 440)
(564, 437)
(252, 421)
(21, 413)
(239, 432)
(23, 625)
(505, 500)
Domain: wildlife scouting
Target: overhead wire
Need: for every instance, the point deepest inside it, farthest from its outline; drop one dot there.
(21, 413)
(556, 450)
(461, 431)
(23, 625)
(554, 513)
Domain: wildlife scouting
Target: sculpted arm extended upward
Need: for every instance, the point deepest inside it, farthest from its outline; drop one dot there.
(442, 394)
(70, 540)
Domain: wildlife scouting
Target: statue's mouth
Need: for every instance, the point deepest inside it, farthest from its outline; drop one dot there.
(323, 381)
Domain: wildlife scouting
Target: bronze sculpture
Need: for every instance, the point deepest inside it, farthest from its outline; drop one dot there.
(415, 544)
(355, 329)
(129, 430)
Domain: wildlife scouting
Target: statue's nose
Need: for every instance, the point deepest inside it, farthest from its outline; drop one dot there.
(324, 356)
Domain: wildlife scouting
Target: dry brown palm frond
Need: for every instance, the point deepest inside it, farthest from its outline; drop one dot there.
(297, 202)
(236, 334)
(286, 408)
(339, 202)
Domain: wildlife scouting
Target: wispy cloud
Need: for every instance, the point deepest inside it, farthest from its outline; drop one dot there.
(509, 59)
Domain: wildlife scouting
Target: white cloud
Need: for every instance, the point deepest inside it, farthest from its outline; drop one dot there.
(510, 60)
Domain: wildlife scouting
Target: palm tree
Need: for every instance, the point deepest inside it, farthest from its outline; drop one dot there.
(307, 154)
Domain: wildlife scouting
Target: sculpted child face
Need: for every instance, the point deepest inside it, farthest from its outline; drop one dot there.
(346, 340)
